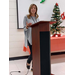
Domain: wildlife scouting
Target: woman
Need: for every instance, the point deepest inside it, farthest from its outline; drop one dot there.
(30, 19)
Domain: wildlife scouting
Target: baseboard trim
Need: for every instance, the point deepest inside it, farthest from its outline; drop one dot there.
(25, 57)
(17, 58)
(57, 53)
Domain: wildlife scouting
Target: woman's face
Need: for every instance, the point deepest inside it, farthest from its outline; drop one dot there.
(33, 9)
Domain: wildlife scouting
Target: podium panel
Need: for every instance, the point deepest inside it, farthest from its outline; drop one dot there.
(45, 53)
(41, 48)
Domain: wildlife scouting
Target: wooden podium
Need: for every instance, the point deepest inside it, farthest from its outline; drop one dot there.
(41, 48)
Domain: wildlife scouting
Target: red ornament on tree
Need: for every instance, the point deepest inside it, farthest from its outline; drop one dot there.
(56, 4)
(63, 16)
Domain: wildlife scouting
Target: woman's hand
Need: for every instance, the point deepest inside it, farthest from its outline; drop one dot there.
(28, 24)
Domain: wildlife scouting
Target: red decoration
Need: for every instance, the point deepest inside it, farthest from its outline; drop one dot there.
(59, 35)
(63, 16)
(51, 22)
(26, 49)
(56, 4)
(53, 35)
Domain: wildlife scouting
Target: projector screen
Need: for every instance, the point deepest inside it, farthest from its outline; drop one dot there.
(45, 9)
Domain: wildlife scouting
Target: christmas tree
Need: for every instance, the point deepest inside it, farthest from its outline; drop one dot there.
(56, 17)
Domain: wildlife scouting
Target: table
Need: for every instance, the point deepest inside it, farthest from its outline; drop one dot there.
(57, 44)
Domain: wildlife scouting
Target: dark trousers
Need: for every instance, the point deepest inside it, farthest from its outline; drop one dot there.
(30, 57)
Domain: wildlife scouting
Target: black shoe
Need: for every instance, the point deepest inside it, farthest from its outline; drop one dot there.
(31, 69)
(28, 66)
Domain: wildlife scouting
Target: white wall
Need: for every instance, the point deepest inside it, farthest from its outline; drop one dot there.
(45, 10)
(16, 36)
